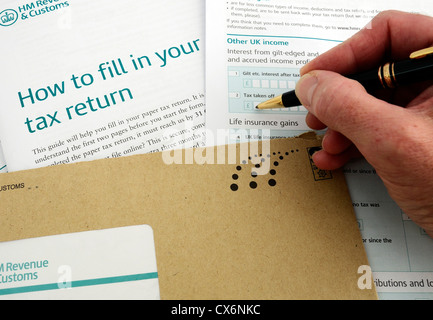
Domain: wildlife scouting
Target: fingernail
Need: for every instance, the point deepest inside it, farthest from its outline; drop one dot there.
(305, 88)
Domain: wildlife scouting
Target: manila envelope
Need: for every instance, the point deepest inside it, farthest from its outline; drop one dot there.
(222, 228)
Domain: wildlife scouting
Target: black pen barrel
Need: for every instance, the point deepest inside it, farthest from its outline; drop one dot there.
(369, 79)
(413, 70)
(390, 75)
(289, 99)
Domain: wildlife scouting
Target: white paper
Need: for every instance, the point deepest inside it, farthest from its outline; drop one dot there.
(254, 51)
(398, 250)
(117, 263)
(84, 80)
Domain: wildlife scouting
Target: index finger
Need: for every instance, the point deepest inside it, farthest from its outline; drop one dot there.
(391, 35)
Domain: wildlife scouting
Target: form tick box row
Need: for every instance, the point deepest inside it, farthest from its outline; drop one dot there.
(251, 105)
(269, 84)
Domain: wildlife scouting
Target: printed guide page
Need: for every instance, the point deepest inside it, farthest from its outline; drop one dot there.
(254, 52)
(84, 80)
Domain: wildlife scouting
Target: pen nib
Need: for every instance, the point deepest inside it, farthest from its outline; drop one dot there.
(271, 103)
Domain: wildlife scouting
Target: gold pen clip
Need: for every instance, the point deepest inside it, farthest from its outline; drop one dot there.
(421, 53)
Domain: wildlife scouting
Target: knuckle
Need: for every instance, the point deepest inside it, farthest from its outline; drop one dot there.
(335, 100)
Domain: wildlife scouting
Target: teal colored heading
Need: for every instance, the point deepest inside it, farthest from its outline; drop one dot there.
(114, 68)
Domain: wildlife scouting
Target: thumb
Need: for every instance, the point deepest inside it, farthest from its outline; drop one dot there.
(345, 106)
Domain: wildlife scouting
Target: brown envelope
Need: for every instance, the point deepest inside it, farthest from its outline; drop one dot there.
(221, 231)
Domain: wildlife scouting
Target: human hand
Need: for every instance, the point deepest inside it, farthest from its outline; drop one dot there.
(397, 142)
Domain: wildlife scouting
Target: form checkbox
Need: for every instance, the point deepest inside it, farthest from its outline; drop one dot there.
(248, 105)
(247, 84)
(291, 84)
(283, 84)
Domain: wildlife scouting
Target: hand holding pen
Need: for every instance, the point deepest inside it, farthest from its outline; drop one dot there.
(417, 68)
(396, 141)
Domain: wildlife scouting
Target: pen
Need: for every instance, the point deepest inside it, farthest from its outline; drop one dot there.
(417, 68)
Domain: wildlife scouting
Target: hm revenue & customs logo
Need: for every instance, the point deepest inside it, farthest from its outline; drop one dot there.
(8, 17)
